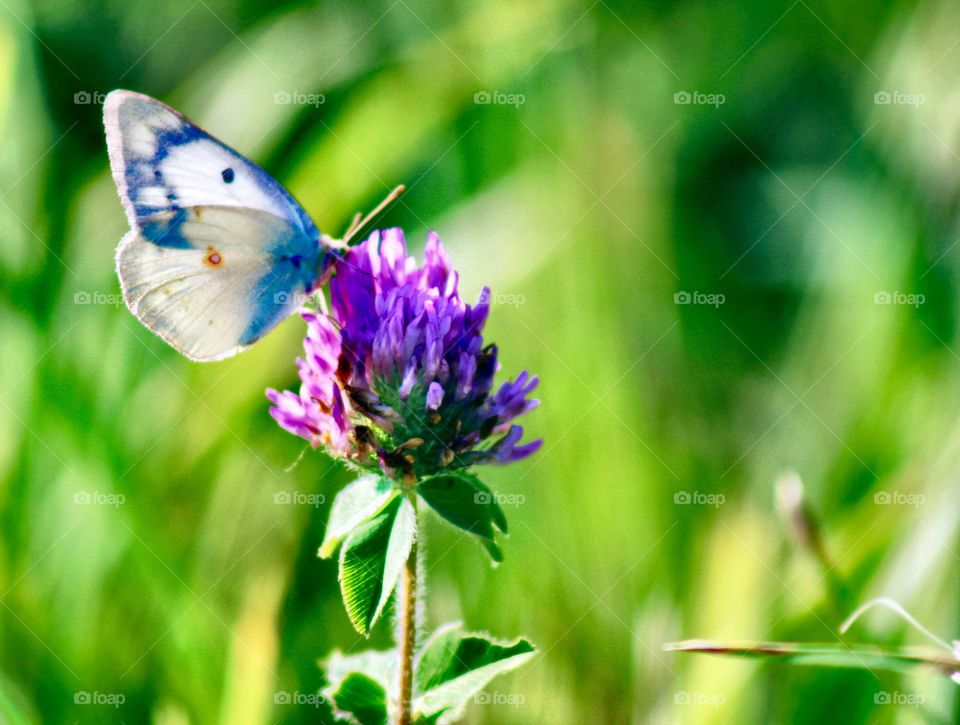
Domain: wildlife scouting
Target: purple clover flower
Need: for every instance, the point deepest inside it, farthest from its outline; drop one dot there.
(399, 379)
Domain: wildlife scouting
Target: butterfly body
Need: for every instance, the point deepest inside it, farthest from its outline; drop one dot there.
(218, 252)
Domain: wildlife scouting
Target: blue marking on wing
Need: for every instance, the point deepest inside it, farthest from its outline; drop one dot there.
(165, 141)
(166, 231)
(168, 139)
(276, 293)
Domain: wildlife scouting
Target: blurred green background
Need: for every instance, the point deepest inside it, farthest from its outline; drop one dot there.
(791, 171)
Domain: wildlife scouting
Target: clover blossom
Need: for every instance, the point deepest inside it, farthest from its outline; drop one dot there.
(399, 379)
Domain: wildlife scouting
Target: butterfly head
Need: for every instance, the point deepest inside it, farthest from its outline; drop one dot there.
(332, 251)
(328, 264)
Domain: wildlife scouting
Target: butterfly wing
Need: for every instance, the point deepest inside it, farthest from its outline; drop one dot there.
(161, 161)
(219, 252)
(239, 273)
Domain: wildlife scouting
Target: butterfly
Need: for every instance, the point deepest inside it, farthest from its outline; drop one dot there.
(218, 252)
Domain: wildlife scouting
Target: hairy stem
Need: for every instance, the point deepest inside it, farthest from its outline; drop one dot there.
(408, 635)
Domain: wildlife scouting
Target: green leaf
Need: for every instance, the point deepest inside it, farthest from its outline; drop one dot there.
(467, 503)
(379, 666)
(356, 503)
(402, 534)
(361, 699)
(493, 550)
(827, 655)
(422, 720)
(371, 560)
(453, 666)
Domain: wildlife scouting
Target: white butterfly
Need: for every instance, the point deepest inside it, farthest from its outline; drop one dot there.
(218, 251)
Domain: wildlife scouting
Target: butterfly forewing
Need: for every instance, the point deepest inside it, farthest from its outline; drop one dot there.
(219, 252)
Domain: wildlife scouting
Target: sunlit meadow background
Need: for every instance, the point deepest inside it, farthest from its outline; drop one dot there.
(145, 552)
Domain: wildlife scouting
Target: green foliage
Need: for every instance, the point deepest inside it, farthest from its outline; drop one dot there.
(371, 560)
(466, 502)
(354, 504)
(829, 655)
(377, 527)
(361, 699)
(379, 667)
(450, 669)
(453, 666)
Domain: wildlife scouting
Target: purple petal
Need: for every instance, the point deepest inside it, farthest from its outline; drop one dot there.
(434, 396)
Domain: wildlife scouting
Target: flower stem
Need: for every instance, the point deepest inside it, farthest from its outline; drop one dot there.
(408, 635)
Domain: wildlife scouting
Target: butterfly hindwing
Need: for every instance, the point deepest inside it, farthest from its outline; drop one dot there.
(235, 278)
(219, 252)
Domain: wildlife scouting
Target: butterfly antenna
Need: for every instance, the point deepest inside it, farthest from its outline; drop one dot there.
(359, 223)
(896, 607)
